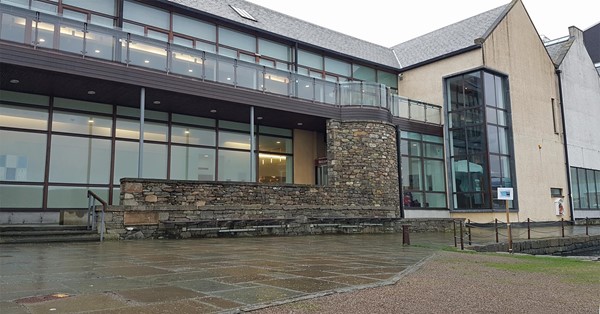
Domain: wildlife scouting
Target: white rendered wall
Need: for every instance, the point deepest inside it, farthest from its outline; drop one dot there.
(581, 99)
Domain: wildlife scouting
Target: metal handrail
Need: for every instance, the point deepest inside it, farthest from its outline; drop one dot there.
(92, 198)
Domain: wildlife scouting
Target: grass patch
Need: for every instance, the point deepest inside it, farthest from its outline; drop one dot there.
(571, 270)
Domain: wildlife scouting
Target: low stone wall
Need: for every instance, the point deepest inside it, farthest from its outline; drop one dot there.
(554, 246)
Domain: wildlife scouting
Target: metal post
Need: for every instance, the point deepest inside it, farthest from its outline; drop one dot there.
(508, 229)
(462, 240)
(496, 228)
(562, 227)
(405, 235)
(469, 230)
(587, 226)
(528, 229)
(141, 147)
(252, 147)
(454, 224)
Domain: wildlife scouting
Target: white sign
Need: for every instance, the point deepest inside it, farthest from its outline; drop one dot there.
(505, 194)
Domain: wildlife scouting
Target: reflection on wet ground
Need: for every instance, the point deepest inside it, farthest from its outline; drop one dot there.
(199, 276)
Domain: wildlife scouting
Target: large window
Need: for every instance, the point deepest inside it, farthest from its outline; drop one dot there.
(585, 185)
(479, 134)
(423, 172)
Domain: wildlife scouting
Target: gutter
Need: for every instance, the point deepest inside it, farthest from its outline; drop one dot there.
(564, 127)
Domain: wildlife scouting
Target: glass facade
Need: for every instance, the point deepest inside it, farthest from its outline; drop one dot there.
(479, 133)
(423, 171)
(585, 186)
(92, 146)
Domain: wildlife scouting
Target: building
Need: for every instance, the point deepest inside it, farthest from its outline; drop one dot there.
(235, 108)
(497, 84)
(591, 39)
(580, 86)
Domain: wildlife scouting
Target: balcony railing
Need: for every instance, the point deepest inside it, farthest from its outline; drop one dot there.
(46, 31)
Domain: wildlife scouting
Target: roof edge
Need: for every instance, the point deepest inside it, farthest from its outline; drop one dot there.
(438, 58)
(499, 19)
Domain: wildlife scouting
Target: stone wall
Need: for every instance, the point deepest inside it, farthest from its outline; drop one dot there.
(363, 182)
(554, 246)
(363, 176)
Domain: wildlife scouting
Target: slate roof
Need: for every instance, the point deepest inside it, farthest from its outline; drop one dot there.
(450, 39)
(557, 49)
(291, 27)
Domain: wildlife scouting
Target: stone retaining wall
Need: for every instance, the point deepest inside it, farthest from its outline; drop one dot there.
(554, 246)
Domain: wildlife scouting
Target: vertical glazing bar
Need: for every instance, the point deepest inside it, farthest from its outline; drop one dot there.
(252, 147)
(426, 107)
(85, 31)
(409, 107)
(141, 147)
(35, 37)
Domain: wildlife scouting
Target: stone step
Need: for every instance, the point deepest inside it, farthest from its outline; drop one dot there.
(49, 239)
(46, 233)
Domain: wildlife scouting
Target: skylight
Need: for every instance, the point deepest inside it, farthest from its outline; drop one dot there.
(243, 13)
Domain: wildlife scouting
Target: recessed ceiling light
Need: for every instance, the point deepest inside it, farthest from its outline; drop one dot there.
(213, 110)
(307, 86)
(97, 51)
(278, 142)
(300, 123)
(146, 61)
(42, 40)
(91, 92)
(14, 81)
(90, 120)
(186, 131)
(156, 102)
(190, 70)
(259, 118)
(229, 78)
(205, 156)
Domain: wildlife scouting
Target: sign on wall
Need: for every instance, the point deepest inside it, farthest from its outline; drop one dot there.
(505, 194)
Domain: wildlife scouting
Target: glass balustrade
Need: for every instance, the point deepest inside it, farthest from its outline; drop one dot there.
(47, 31)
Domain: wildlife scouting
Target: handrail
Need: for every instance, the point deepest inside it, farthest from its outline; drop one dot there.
(92, 198)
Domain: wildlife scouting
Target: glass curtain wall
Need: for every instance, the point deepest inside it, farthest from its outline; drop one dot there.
(479, 134)
(423, 171)
(86, 139)
(585, 185)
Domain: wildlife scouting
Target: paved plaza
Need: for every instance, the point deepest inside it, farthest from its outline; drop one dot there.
(200, 275)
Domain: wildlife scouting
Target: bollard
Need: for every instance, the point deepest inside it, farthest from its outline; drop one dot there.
(405, 235)
(587, 226)
(454, 223)
(562, 227)
(496, 227)
(469, 230)
(528, 229)
(462, 240)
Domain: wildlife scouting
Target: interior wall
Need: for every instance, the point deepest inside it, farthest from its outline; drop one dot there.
(305, 153)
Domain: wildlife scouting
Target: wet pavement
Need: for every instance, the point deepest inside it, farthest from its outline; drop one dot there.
(200, 275)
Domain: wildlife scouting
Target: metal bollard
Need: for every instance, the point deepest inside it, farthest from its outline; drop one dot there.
(587, 224)
(462, 240)
(562, 227)
(496, 228)
(405, 235)
(469, 230)
(528, 229)
(454, 227)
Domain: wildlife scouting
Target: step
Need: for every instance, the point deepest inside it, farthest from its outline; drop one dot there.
(37, 233)
(41, 227)
(49, 239)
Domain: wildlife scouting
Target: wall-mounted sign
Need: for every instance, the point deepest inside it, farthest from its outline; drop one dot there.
(505, 194)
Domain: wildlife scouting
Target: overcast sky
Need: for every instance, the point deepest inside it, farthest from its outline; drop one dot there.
(390, 22)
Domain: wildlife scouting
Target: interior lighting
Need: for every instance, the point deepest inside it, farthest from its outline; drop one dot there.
(91, 92)
(187, 131)
(42, 40)
(14, 81)
(213, 111)
(146, 61)
(259, 118)
(156, 102)
(300, 124)
(91, 120)
(97, 51)
(229, 78)
(278, 142)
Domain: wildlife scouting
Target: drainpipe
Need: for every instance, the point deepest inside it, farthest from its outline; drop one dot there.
(564, 127)
(399, 157)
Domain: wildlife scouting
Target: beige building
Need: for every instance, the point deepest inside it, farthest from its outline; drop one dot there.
(500, 94)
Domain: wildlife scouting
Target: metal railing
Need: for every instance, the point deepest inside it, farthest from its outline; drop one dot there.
(92, 216)
(46, 31)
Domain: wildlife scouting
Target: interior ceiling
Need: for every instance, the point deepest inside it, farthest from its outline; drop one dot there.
(77, 87)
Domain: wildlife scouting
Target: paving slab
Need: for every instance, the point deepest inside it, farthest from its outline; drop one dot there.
(198, 275)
